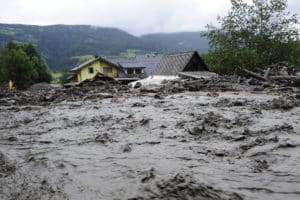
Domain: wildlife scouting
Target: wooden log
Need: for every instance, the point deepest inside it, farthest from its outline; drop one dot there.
(267, 73)
(287, 88)
(267, 84)
(292, 78)
(257, 76)
(238, 80)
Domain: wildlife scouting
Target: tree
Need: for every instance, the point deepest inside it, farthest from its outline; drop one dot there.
(22, 64)
(253, 35)
(44, 74)
(16, 66)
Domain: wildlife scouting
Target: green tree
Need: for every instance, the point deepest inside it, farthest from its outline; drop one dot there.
(22, 64)
(17, 66)
(253, 35)
(44, 74)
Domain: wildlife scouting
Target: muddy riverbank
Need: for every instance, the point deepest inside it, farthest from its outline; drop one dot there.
(188, 145)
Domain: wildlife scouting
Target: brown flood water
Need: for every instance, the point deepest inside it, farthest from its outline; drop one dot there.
(182, 146)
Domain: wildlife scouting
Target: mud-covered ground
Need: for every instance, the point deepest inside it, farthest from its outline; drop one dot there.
(192, 145)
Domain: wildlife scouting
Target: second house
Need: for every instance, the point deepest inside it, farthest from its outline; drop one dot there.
(90, 68)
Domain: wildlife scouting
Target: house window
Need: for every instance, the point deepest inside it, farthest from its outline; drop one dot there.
(138, 71)
(107, 70)
(129, 71)
(91, 70)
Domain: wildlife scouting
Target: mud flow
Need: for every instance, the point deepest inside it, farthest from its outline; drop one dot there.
(183, 146)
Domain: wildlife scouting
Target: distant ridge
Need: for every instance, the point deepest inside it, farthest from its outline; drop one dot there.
(180, 41)
(61, 45)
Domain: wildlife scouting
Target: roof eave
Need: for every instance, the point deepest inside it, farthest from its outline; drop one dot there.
(91, 61)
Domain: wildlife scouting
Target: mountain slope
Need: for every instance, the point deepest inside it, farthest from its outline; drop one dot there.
(62, 45)
(59, 44)
(181, 41)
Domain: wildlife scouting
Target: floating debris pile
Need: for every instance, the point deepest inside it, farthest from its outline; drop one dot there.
(279, 74)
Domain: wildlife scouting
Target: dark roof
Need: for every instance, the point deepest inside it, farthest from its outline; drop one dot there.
(171, 64)
(71, 76)
(147, 61)
(93, 60)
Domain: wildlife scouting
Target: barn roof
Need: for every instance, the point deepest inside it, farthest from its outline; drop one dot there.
(171, 64)
(147, 61)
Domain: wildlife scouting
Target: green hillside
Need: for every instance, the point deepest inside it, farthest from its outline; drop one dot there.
(63, 46)
(181, 41)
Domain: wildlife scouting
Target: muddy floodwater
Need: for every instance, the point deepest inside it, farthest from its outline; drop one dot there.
(192, 145)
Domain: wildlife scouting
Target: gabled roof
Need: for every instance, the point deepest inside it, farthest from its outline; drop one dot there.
(147, 61)
(94, 60)
(171, 64)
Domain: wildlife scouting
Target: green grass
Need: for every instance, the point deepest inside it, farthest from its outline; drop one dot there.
(8, 31)
(56, 77)
(129, 53)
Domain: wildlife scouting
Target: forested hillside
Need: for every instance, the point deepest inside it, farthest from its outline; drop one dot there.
(62, 45)
(181, 41)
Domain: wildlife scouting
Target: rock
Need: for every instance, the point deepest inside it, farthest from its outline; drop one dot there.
(12, 139)
(220, 153)
(137, 85)
(144, 121)
(149, 175)
(126, 148)
(240, 138)
(6, 166)
(156, 96)
(163, 126)
(260, 166)
(287, 144)
(196, 130)
(103, 138)
(138, 105)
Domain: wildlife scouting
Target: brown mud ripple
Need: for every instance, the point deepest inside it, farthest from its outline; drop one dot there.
(196, 145)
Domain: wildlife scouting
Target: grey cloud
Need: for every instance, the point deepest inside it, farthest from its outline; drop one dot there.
(134, 16)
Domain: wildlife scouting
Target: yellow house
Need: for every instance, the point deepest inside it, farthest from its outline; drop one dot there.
(90, 68)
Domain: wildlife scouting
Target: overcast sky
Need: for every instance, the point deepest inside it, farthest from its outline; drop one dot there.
(134, 16)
